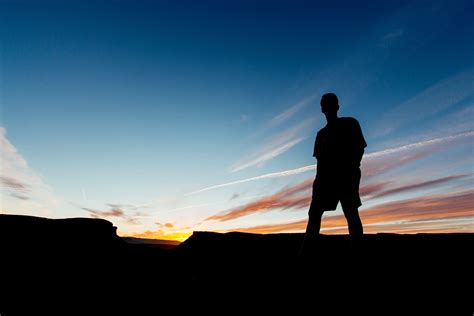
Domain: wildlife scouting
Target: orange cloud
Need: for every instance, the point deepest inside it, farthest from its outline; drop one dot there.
(275, 228)
(448, 212)
(448, 205)
(456, 225)
(420, 185)
(372, 188)
(166, 225)
(282, 199)
(439, 206)
(289, 197)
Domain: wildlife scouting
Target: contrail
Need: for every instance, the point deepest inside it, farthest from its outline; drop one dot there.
(433, 141)
(376, 154)
(84, 194)
(264, 176)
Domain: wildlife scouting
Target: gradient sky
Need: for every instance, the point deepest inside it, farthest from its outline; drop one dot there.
(166, 117)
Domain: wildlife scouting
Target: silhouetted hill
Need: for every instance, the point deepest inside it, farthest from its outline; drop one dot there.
(40, 232)
(146, 242)
(80, 262)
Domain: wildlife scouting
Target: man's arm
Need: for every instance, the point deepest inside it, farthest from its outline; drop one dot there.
(317, 149)
(359, 141)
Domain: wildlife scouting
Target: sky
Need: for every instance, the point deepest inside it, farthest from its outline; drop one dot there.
(168, 117)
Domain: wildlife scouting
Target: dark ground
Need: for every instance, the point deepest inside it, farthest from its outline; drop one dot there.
(79, 264)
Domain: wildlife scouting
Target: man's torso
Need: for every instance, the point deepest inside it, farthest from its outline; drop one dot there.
(338, 146)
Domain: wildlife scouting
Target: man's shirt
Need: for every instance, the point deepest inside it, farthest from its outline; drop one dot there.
(339, 146)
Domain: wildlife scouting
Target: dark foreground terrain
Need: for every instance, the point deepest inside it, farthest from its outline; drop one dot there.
(81, 263)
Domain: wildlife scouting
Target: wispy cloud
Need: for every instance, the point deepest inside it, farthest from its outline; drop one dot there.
(19, 181)
(13, 183)
(420, 185)
(373, 163)
(299, 196)
(115, 212)
(268, 155)
(20, 196)
(280, 144)
(261, 177)
(281, 200)
(292, 110)
(433, 213)
(446, 205)
(128, 206)
(165, 225)
(373, 188)
(445, 225)
(454, 123)
(293, 226)
(384, 160)
(442, 95)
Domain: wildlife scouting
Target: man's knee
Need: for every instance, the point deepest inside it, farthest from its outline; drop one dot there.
(350, 211)
(315, 211)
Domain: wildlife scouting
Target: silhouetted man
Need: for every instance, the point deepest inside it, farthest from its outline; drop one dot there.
(339, 147)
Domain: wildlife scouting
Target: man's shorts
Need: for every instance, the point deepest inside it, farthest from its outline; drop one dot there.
(329, 189)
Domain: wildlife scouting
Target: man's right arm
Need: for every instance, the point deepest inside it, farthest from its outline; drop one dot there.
(358, 141)
(317, 149)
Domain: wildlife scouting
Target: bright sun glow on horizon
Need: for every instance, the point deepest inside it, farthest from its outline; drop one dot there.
(172, 235)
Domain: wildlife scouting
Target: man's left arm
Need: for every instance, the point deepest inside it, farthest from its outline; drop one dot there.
(359, 141)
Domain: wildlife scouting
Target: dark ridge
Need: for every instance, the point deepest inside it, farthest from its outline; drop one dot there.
(31, 231)
(151, 243)
(48, 263)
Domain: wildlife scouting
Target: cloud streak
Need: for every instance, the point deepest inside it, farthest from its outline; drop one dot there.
(281, 200)
(128, 206)
(436, 213)
(13, 183)
(261, 177)
(22, 189)
(115, 212)
(420, 185)
(268, 155)
(291, 111)
(280, 144)
(299, 196)
(446, 225)
(372, 163)
(384, 160)
(428, 102)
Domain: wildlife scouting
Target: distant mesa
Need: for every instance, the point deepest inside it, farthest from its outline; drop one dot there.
(140, 241)
(158, 243)
(31, 231)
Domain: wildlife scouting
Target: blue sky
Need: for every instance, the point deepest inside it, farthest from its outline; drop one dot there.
(120, 110)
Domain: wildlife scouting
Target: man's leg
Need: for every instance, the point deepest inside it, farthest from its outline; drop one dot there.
(356, 231)
(312, 229)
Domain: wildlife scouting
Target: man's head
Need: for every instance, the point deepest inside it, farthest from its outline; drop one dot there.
(329, 104)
